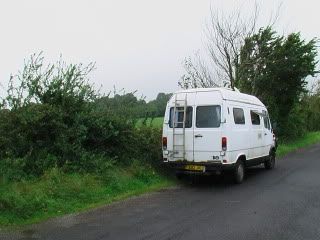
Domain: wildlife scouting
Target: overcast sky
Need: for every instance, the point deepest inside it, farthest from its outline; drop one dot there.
(137, 45)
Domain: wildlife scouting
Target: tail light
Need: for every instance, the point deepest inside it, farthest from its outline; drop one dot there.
(224, 143)
(164, 143)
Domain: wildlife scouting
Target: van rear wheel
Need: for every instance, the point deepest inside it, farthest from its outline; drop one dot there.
(271, 161)
(239, 172)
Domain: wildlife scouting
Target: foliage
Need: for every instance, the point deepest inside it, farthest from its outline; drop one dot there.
(306, 140)
(149, 139)
(310, 105)
(59, 139)
(129, 106)
(157, 107)
(25, 202)
(58, 84)
(274, 68)
(225, 35)
(125, 105)
(57, 120)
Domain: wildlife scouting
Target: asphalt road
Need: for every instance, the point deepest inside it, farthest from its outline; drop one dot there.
(283, 203)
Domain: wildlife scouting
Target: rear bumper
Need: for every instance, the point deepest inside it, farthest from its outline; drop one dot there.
(210, 167)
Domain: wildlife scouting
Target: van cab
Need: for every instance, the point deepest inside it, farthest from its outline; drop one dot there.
(211, 130)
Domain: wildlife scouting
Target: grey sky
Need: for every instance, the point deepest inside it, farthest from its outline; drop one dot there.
(137, 45)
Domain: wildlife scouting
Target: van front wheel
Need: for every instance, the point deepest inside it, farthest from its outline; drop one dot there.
(271, 161)
(239, 172)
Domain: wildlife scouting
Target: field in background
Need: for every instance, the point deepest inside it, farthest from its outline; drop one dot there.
(151, 122)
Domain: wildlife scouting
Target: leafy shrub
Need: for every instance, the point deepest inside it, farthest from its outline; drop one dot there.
(295, 124)
(12, 169)
(148, 147)
(56, 120)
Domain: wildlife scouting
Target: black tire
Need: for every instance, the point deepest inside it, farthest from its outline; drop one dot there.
(239, 172)
(271, 161)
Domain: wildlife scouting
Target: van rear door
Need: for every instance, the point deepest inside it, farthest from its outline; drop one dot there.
(207, 127)
(177, 139)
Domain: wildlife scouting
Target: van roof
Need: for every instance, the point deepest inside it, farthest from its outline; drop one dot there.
(227, 94)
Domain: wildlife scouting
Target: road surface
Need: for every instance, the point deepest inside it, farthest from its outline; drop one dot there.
(280, 204)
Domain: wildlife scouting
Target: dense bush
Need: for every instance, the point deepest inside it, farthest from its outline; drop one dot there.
(54, 119)
(303, 118)
(311, 107)
(38, 137)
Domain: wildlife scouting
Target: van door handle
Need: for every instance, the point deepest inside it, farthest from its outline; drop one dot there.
(265, 134)
(198, 135)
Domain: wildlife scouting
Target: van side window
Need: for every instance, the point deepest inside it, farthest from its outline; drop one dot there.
(266, 122)
(238, 116)
(179, 117)
(255, 118)
(208, 117)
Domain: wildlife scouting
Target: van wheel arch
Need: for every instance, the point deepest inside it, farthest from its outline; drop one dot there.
(272, 150)
(242, 158)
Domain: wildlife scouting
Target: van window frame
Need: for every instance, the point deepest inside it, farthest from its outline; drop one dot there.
(191, 117)
(255, 124)
(196, 115)
(244, 117)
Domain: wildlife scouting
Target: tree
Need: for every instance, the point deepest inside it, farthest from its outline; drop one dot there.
(311, 107)
(274, 68)
(225, 36)
(66, 85)
(197, 74)
(122, 104)
(157, 107)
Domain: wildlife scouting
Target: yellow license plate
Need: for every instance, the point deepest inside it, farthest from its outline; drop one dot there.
(194, 168)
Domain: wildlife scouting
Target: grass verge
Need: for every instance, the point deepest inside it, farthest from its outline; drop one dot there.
(289, 146)
(58, 193)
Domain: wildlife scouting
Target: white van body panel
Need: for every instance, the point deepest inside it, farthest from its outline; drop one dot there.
(206, 148)
(213, 118)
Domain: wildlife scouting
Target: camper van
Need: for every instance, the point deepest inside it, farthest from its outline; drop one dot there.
(213, 130)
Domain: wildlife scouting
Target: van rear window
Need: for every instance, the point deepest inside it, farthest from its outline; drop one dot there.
(208, 117)
(179, 117)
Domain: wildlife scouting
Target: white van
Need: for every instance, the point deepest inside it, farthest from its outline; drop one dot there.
(209, 130)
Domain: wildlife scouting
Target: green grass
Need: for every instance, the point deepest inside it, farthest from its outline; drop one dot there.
(154, 122)
(289, 146)
(57, 193)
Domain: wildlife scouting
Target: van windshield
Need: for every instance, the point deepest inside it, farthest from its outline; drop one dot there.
(178, 119)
